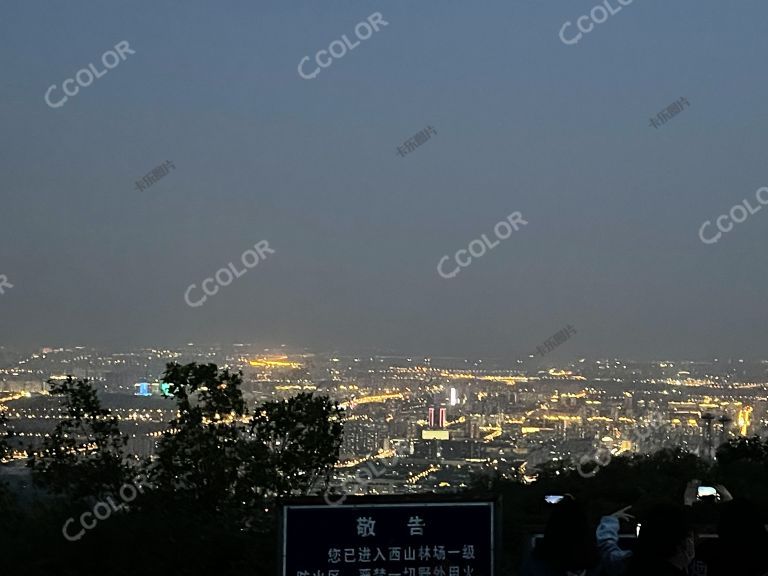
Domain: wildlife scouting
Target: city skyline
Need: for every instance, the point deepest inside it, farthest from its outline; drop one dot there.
(437, 420)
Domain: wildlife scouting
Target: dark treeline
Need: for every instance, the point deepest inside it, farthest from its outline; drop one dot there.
(207, 503)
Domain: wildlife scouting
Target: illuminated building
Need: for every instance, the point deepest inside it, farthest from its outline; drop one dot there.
(142, 389)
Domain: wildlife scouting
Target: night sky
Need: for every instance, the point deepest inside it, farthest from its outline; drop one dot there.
(523, 122)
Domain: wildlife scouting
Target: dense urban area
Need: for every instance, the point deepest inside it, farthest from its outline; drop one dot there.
(436, 420)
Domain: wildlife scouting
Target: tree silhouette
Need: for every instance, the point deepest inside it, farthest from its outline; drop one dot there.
(300, 438)
(84, 456)
(6, 500)
(5, 434)
(198, 455)
(212, 459)
(742, 465)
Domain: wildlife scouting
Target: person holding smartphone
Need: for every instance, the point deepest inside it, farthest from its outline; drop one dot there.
(615, 560)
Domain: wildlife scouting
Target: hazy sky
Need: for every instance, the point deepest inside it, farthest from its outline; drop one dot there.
(524, 123)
